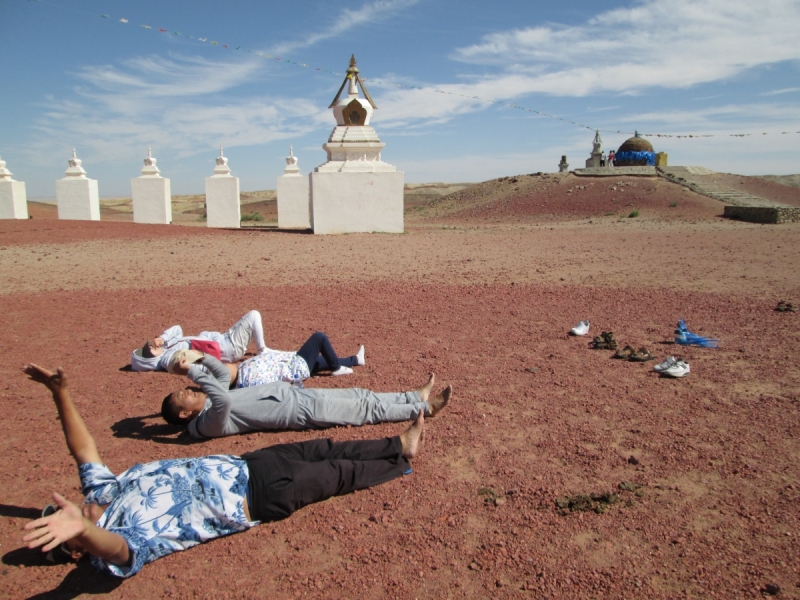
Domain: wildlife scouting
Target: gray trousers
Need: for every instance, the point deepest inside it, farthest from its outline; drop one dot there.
(355, 406)
(238, 337)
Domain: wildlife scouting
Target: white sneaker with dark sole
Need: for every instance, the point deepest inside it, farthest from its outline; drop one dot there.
(342, 371)
(663, 366)
(360, 357)
(679, 369)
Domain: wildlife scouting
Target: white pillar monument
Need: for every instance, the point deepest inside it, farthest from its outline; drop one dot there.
(293, 199)
(222, 196)
(13, 201)
(152, 200)
(355, 191)
(76, 195)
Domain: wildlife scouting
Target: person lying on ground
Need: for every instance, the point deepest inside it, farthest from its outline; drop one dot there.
(155, 354)
(315, 355)
(216, 411)
(154, 509)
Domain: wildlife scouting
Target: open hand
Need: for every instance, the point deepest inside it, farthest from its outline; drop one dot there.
(54, 381)
(59, 527)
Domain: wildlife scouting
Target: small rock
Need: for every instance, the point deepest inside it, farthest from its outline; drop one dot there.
(773, 589)
(473, 566)
(632, 460)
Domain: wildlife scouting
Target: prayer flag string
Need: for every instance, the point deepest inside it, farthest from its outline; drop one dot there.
(124, 20)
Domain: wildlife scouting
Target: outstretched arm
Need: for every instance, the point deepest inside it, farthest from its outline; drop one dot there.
(79, 441)
(70, 524)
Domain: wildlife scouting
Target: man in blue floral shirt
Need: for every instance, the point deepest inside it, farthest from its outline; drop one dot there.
(158, 508)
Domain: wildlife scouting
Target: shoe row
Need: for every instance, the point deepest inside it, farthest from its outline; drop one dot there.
(671, 367)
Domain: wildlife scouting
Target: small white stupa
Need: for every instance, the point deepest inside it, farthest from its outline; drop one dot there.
(76, 195)
(13, 200)
(597, 152)
(293, 200)
(355, 191)
(222, 196)
(152, 198)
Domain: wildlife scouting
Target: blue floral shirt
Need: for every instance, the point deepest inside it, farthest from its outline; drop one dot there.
(168, 505)
(271, 366)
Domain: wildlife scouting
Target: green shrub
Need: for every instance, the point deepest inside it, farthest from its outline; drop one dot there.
(673, 205)
(254, 216)
(633, 213)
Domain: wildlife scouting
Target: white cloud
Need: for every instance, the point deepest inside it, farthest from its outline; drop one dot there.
(181, 105)
(349, 19)
(667, 43)
(783, 91)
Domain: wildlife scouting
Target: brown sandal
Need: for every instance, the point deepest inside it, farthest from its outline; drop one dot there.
(625, 353)
(642, 355)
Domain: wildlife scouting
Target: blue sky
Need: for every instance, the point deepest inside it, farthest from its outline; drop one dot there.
(110, 87)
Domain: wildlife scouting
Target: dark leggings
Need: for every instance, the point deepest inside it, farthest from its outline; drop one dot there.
(287, 477)
(319, 354)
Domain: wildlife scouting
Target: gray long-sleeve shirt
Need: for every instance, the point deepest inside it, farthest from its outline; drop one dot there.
(280, 405)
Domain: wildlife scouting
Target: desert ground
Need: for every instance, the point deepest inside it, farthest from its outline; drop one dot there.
(697, 480)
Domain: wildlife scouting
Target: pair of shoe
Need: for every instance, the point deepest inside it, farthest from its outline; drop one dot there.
(604, 341)
(673, 367)
(581, 328)
(784, 306)
(628, 353)
(360, 361)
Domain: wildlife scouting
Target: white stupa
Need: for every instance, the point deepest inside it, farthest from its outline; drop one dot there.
(222, 196)
(355, 191)
(293, 202)
(13, 201)
(77, 195)
(151, 194)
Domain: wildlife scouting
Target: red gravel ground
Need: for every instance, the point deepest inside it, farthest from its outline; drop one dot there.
(482, 292)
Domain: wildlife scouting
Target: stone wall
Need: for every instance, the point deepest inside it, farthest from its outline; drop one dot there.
(763, 214)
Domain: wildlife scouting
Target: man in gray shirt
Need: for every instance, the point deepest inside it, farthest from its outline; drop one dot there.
(217, 411)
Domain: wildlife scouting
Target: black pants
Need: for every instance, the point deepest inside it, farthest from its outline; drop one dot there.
(287, 477)
(319, 344)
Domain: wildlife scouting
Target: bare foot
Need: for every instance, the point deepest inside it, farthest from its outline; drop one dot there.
(425, 390)
(441, 400)
(411, 438)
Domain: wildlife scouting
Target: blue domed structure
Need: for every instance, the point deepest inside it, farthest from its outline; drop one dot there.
(635, 152)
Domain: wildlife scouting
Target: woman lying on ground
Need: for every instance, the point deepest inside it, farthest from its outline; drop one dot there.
(315, 355)
(154, 509)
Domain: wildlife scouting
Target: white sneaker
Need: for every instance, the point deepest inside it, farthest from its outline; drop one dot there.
(661, 367)
(581, 328)
(342, 371)
(679, 369)
(360, 356)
